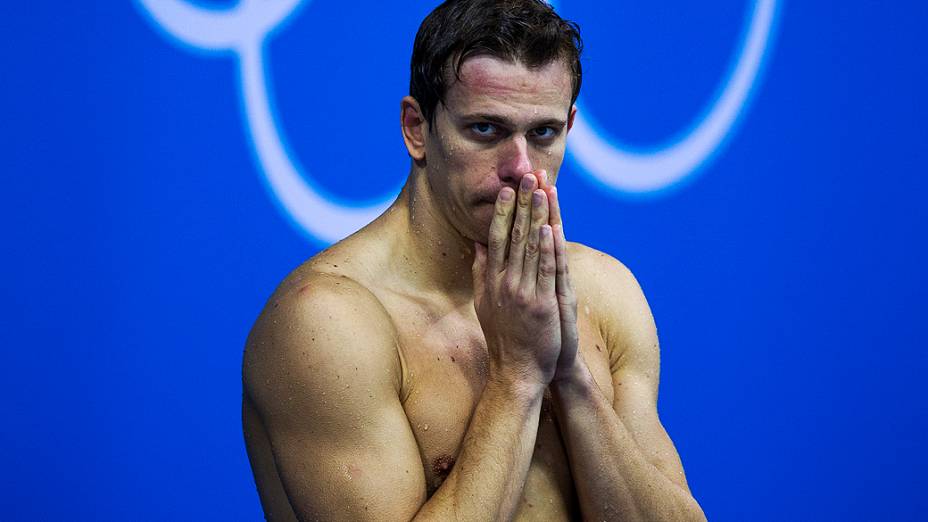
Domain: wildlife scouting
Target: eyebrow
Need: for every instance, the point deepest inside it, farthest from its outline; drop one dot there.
(544, 122)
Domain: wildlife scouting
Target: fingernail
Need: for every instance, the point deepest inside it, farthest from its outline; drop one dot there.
(506, 194)
(528, 182)
(537, 198)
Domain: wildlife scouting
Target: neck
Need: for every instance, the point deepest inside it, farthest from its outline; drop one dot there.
(435, 257)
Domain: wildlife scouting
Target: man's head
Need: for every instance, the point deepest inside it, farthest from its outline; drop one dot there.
(524, 31)
(492, 91)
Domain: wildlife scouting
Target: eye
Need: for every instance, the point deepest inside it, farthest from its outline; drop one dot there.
(545, 133)
(484, 129)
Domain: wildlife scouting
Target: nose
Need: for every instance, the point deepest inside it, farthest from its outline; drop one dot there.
(513, 161)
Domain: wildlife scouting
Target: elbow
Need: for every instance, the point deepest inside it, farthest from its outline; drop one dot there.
(692, 512)
(684, 509)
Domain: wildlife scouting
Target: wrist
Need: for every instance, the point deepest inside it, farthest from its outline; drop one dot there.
(518, 385)
(573, 378)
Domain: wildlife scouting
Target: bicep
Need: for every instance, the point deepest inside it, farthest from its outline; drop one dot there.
(354, 462)
(324, 383)
(635, 372)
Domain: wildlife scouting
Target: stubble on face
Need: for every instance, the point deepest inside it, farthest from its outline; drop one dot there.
(466, 170)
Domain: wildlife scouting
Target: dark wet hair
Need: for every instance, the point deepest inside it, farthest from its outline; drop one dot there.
(524, 31)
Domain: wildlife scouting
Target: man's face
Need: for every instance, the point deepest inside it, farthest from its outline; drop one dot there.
(499, 122)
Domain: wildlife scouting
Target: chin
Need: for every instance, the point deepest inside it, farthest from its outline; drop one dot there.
(483, 216)
(474, 230)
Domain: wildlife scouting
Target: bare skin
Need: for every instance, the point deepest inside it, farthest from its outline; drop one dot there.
(458, 359)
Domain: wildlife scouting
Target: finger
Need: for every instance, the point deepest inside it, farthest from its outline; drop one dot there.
(520, 227)
(554, 207)
(547, 265)
(566, 299)
(530, 266)
(542, 177)
(563, 273)
(479, 269)
(498, 240)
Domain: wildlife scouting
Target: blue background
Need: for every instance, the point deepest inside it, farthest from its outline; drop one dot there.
(140, 242)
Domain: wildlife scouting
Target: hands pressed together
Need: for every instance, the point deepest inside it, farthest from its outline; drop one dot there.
(522, 292)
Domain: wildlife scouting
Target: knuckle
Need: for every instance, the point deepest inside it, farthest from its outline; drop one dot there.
(518, 234)
(510, 286)
(497, 242)
(546, 269)
(531, 249)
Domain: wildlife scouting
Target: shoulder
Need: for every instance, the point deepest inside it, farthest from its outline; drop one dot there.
(610, 294)
(595, 271)
(317, 329)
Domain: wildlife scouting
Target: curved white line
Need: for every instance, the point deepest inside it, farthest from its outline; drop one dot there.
(219, 29)
(638, 172)
(243, 29)
(321, 218)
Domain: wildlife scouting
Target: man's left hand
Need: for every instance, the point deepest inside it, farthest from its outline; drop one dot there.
(566, 298)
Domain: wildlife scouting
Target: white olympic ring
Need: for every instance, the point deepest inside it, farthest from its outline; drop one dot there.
(244, 29)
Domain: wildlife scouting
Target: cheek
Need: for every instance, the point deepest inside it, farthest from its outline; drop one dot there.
(551, 161)
(466, 169)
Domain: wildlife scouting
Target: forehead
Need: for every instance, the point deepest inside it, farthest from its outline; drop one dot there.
(489, 84)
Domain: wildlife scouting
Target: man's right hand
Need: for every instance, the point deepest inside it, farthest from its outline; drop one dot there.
(515, 288)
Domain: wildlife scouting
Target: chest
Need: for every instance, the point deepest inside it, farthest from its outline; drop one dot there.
(445, 369)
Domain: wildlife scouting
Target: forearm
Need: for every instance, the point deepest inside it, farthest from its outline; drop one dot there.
(487, 479)
(614, 479)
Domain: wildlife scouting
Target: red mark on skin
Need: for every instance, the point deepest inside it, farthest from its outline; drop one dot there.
(492, 76)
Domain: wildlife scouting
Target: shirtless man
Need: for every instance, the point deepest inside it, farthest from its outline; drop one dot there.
(457, 359)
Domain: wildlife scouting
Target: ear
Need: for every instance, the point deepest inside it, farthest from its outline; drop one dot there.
(414, 126)
(570, 118)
